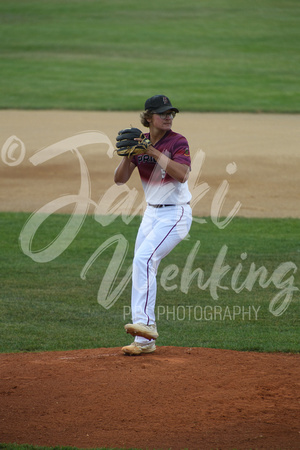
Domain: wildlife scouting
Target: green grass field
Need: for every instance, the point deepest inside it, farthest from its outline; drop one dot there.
(49, 306)
(215, 55)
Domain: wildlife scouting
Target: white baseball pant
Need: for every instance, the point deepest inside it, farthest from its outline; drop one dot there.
(160, 231)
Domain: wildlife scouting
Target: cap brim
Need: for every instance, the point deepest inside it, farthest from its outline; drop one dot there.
(164, 109)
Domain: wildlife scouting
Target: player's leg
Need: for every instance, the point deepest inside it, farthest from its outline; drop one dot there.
(169, 226)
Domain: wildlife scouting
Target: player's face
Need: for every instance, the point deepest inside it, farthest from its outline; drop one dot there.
(163, 121)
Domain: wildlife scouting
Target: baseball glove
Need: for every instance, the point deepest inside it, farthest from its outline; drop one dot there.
(128, 146)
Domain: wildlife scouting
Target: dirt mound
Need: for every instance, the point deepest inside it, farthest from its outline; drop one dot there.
(193, 398)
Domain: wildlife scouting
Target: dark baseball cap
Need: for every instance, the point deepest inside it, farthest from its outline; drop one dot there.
(159, 104)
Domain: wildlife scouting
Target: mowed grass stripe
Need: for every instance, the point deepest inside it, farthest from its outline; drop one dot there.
(207, 56)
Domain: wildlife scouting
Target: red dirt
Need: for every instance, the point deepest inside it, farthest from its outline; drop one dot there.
(193, 398)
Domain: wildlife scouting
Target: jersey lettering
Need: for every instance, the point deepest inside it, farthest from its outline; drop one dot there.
(146, 159)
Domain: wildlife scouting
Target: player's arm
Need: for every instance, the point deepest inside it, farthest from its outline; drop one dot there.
(176, 170)
(124, 170)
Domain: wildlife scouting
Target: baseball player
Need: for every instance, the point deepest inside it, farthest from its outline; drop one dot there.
(164, 168)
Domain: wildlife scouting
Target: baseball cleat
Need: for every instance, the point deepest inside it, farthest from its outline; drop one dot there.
(136, 348)
(140, 329)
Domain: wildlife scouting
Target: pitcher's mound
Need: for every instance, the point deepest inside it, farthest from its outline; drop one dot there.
(195, 398)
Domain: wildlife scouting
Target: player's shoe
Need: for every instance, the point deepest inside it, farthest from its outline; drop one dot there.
(136, 348)
(140, 329)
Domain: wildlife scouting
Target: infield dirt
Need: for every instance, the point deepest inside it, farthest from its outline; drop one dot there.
(195, 398)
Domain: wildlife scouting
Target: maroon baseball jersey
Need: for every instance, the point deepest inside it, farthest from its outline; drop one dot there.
(159, 187)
